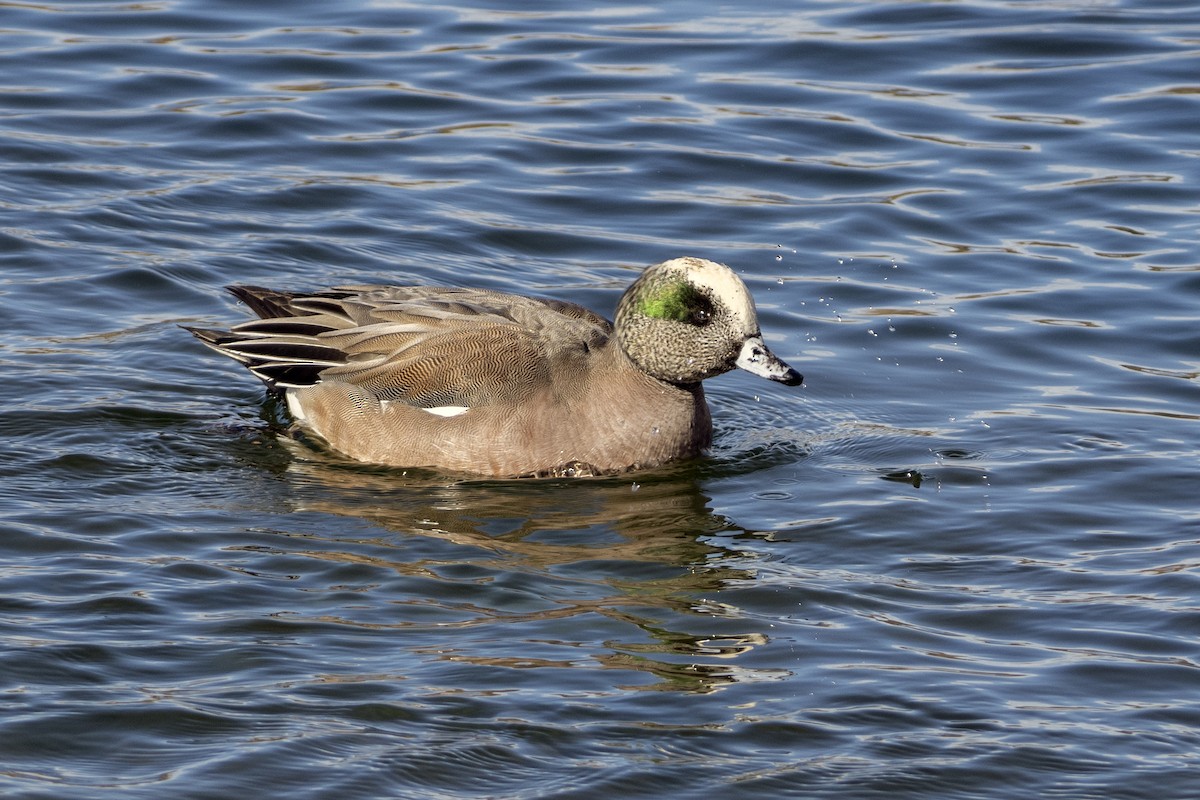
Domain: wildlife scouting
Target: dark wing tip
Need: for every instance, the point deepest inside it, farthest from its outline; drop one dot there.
(266, 303)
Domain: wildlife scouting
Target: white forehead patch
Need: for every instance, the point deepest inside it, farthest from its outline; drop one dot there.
(723, 283)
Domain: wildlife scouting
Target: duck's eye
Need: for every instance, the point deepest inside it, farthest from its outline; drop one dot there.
(701, 312)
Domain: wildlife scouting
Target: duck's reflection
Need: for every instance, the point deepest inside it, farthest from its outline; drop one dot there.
(618, 572)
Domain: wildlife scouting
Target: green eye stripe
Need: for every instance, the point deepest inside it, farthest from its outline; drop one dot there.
(678, 301)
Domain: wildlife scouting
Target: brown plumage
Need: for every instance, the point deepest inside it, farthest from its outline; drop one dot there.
(505, 385)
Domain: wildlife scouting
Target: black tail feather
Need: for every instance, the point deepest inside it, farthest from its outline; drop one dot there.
(266, 303)
(281, 347)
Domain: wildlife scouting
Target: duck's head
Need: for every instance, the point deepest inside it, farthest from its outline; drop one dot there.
(688, 319)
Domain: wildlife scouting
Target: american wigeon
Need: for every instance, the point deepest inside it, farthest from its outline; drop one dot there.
(505, 385)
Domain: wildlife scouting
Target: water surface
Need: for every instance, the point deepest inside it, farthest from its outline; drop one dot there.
(961, 562)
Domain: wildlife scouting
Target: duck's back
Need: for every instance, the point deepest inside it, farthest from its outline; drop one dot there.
(417, 344)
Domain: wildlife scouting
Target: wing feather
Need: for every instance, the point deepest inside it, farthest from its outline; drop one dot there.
(424, 346)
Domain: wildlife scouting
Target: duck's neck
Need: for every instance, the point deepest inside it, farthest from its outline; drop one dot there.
(632, 411)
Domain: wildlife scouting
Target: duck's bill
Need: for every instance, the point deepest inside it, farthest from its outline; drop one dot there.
(755, 358)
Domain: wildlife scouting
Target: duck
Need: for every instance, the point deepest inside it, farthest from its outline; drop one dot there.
(505, 385)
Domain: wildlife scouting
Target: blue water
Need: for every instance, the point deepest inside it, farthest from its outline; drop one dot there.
(962, 562)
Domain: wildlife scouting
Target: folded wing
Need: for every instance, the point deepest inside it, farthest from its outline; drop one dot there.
(425, 346)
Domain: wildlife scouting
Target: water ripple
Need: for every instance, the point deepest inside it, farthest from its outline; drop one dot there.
(964, 551)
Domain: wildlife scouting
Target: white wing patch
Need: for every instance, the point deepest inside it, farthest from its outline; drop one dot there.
(447, 411)
(437, 411)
